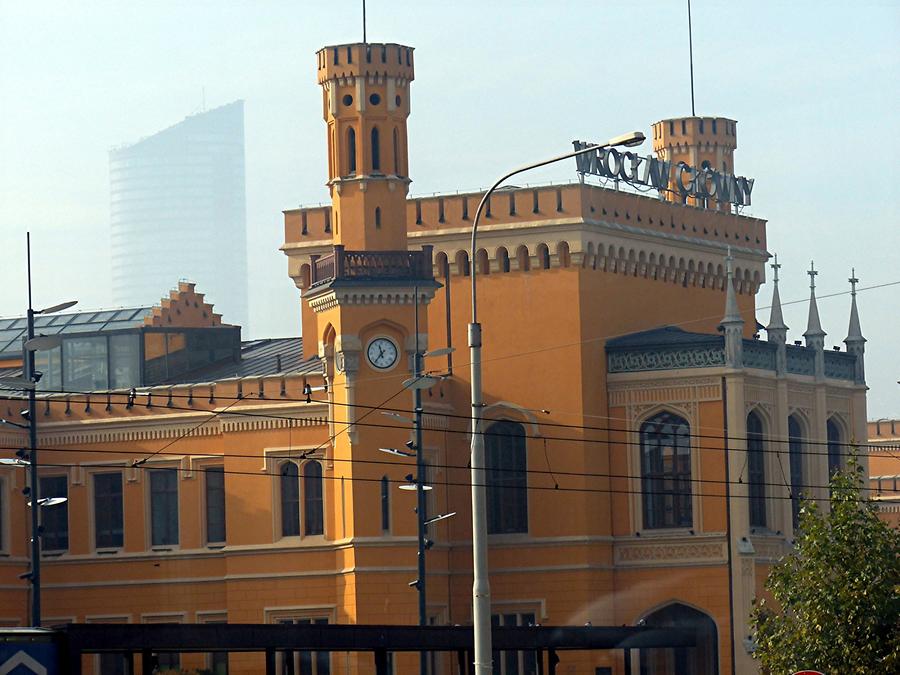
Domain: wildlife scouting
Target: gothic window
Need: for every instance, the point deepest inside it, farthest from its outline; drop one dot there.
(506, 478)
(834, 447)
(376, 151)
(351, 151)
(290, 500)
(314, 515)
(795, 459)
(756, 472)
(666, 472)
(311, 499)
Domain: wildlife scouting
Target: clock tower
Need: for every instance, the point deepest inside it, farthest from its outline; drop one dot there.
(368, 294)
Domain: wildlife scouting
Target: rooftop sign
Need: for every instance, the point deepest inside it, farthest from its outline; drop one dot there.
(687, 181)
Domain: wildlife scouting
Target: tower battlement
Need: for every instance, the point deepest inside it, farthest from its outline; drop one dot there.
(370, 60)
(695, 131)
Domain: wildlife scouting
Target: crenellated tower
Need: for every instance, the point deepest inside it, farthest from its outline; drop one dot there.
(365, 103)
(701, 142)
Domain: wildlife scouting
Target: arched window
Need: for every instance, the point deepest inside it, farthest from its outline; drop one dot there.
(701, 659)
(396, 152)
(795, 459)
(290, 500)
(562, 252)
(385, 504)
(503, 259)
(351, 151)
(523, 258)
(543, 255)
(756, 470)
(376, 151)
(313, 512)
(482, 262)
(666, 472)
(834, 447)
(506, 478)
(462, 263)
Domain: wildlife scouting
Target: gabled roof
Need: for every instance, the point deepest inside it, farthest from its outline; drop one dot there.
(661, 337)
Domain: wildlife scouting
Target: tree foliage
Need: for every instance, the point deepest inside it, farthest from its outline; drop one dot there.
(837, 595)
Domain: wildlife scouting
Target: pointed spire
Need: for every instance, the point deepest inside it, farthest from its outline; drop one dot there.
(856, 343)
(732, 322)
(854, 332)
(732, 313)
(777, 330)
(813, 324)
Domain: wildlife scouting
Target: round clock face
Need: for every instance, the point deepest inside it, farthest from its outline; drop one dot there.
(382, 353)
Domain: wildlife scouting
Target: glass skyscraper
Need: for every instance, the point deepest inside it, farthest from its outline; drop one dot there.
(178, 211)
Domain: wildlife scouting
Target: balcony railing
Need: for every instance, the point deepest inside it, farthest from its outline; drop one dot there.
(370, 266)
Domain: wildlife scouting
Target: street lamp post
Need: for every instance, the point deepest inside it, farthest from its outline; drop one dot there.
(481, 591)
(31, 345)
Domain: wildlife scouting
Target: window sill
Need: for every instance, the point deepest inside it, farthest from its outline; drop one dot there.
(666, 532)
(107, 551)
(216, 546)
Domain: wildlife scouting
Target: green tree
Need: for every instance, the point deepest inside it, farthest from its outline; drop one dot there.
(837, 595)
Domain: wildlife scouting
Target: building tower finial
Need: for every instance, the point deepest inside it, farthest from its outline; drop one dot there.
(813, 324)
(732, 322)
(777, 330)
(856, 343)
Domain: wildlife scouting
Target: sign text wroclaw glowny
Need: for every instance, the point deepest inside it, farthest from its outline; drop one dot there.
(634, 169)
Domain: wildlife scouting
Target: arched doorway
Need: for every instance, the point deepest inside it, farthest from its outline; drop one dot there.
(703, 659)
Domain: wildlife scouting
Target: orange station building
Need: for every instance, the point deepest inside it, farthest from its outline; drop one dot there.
(645, 448)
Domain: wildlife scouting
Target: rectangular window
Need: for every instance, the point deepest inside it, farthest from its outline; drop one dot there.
(112, 663)
(510, 662)
(164, 507)
(215, 504)
(216, 662)
(124, 361)
(303, 662)
(2, 515)
(108, 521)
(55, 519)
(85, 366)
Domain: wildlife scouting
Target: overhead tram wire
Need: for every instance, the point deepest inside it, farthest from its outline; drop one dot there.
(446, 483)
(440, 372)
(626, 430)
(386, 462)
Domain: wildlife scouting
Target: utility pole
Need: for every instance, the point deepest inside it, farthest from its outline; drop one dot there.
(33, 456)
(420, 486)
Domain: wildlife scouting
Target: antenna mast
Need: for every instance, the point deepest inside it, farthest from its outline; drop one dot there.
(364, 21)
(690, 49)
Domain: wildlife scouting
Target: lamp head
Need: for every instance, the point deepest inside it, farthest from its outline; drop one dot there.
(26, 414)
(628, 140)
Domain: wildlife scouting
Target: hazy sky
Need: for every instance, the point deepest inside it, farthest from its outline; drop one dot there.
(813, 85)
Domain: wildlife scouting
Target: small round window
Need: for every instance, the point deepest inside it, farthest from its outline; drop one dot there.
(397, 101)
(348, 99)
(374, 99)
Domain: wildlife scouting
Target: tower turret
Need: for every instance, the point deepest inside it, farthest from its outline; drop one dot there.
(365, 95)
(732, 322)
(856, 343)
(700, 142)
(815, 336)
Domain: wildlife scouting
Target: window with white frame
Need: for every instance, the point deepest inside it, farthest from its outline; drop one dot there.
(216, 662)
(163, 507)
(108, 517)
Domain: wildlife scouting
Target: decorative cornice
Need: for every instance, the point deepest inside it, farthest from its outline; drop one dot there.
(167, 426)
(654, 554)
